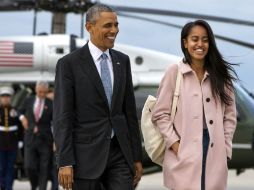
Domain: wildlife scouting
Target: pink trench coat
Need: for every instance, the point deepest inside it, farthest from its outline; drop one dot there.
(183, 171)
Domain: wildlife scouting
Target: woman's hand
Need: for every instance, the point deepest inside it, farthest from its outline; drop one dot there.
(175, 147)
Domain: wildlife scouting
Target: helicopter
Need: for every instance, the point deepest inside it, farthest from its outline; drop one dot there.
(42, 52)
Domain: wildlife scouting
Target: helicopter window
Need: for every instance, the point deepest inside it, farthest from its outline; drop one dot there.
(59, 50)
(139, 60)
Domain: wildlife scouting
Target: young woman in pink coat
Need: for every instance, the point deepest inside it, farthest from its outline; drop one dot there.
(200, 143)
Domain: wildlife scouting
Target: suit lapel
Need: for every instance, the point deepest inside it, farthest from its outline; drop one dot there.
(32, 106)
(88, 66)
(117, 68)
(45, 107)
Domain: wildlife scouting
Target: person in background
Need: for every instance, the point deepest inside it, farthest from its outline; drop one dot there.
(199, 143)
(50, 93)
(10, 134)
(38, 141)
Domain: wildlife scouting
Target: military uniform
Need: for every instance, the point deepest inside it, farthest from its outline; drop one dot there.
(10, 134)
(9, 128)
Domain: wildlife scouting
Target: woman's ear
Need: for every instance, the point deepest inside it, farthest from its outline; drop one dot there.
(185, 43)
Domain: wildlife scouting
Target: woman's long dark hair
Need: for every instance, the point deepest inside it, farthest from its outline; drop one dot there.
(221, 72)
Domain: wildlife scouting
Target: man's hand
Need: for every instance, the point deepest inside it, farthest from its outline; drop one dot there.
(54, 147)
(24, 122)
(139, 172)
(175, 147)
(65, 177)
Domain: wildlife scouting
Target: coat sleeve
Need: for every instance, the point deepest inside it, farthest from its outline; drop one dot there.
(131, 115)
(23, 108)
(63, 114)
(162, 109)
(229, 123)
(20, 129)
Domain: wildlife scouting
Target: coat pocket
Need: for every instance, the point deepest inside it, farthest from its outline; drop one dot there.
(82, 138)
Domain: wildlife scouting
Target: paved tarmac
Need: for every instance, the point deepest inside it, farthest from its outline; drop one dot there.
(154, 182)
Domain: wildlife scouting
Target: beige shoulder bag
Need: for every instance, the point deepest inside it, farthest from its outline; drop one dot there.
(153, 139)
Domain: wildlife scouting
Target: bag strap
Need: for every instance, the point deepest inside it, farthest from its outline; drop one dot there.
(176, 94)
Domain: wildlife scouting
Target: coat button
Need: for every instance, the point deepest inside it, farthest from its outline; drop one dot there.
(212, 145)
(211, 122)
(207, 99)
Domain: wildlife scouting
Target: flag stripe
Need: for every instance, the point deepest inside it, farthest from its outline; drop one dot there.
(13, 56)
(5, 48)
(17, 60)
(15, 65)
(2, 51)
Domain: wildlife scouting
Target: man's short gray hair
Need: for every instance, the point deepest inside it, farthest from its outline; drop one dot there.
(42, 83)
(93, 13)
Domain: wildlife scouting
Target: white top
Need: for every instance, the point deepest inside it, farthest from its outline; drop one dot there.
(96, 54)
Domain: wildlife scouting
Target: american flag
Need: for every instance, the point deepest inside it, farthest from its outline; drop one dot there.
(16, 54)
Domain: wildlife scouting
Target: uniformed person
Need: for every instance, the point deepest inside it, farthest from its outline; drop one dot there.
(9, 136)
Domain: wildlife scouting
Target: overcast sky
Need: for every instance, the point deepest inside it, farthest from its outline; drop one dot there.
(158, 37)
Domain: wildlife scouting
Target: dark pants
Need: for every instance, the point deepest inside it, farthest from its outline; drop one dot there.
(7, 161)
(117, 175)
(53, 174)
(37, 162)
(206, 140)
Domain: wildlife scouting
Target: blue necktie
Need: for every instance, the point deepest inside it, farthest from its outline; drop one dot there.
(106, 81)
(106, 78)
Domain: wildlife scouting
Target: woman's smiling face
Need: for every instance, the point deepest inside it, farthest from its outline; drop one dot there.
(197, 43)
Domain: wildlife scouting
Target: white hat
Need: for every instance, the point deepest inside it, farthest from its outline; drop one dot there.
(6, 90)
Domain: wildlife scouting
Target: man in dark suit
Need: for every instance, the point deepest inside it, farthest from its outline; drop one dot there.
(95, 123)
(36, 118)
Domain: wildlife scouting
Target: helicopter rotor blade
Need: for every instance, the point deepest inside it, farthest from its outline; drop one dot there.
(79, 6)
(183, 15)
(223, 38)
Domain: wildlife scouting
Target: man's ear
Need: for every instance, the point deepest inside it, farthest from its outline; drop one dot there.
(88, 26)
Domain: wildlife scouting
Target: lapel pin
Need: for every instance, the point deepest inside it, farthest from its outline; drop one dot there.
(118, 63)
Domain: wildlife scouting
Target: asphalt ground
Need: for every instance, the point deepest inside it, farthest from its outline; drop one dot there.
(244, 181)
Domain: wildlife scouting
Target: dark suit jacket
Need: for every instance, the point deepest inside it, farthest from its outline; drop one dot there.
(44, 124)
(83, 120)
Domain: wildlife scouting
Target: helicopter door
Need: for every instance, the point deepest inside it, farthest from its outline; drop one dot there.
(55, 47)
(243, 155)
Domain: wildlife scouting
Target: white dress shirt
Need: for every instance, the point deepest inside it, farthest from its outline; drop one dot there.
(36, 104)
(96, 54)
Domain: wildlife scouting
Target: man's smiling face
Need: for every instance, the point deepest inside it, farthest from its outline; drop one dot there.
(104, 30)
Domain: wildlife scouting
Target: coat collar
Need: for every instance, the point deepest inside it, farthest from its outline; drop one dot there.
(185, 68)
(117, 69)
(96, 52)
